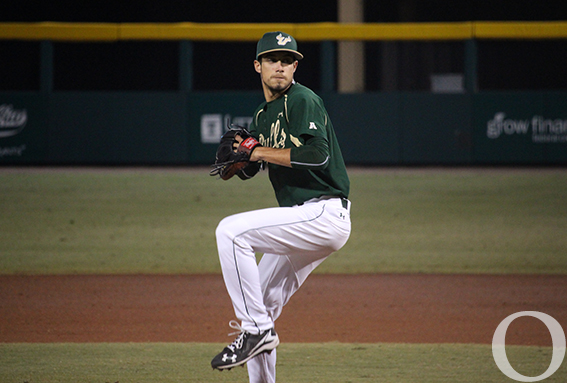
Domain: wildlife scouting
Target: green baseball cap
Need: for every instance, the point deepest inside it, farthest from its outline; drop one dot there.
(277, 41)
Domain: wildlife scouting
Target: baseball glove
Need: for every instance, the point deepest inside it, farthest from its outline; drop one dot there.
(234, 158)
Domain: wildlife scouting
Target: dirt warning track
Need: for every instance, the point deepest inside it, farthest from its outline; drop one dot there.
(407, 308)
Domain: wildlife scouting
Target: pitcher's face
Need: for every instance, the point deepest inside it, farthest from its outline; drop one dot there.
(276, 70)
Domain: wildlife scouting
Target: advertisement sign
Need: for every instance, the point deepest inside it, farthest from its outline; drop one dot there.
(520, 128)
(23, 128)
(210, 114)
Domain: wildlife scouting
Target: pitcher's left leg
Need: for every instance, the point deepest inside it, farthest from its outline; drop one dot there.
(262, 368)
(280, 278)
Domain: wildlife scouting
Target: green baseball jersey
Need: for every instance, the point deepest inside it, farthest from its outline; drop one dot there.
(298, 120)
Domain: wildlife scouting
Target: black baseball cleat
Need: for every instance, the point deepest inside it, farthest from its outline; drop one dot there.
(245, 347)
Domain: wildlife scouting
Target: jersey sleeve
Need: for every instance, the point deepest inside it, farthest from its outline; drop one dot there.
(308, 121)
(307, 116)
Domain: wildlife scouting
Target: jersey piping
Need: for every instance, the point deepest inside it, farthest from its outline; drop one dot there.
(307, 164)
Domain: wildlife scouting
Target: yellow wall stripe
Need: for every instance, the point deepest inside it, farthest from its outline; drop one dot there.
(302, 32)
(199, 31)
(521, 30)
(59, 31)
(385, 31)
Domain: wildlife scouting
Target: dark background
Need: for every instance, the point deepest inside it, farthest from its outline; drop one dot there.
(296, 11)
(502, 65)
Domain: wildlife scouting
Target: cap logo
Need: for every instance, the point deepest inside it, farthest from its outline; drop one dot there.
(283, 40)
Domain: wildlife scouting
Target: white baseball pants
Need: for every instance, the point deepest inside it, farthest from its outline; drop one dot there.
(294, 241)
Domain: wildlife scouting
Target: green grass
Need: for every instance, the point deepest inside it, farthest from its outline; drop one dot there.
(297, 363)
(116, 222)
(163, 221)
(457, 221)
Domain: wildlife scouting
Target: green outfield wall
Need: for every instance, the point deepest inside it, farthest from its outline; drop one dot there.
(183, 128)
(51, 125)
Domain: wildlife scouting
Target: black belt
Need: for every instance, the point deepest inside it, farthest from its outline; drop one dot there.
(345, 202)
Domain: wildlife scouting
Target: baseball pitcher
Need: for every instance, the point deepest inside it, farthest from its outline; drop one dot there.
(291, 134)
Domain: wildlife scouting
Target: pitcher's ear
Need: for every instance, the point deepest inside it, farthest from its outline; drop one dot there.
(257, 66)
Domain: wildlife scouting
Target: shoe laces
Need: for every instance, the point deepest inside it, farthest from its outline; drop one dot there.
(237, 344)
